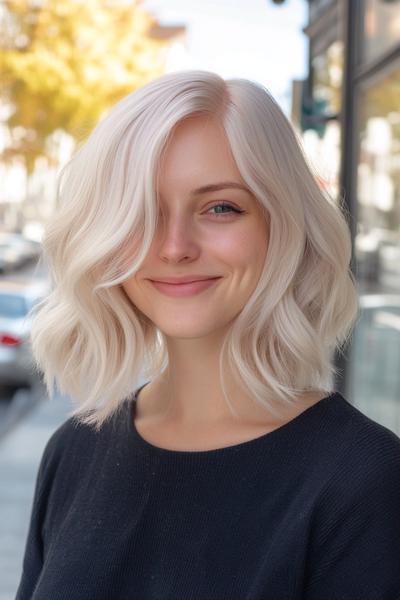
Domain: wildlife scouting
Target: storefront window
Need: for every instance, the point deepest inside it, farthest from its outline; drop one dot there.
(322, 141)
(381, 20)
(327, 70)
(378, 238)
(376, 343)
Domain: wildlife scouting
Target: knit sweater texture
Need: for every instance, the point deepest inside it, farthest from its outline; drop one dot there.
(308, 511)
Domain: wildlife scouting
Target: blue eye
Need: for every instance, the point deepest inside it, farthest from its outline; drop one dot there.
(226, 206)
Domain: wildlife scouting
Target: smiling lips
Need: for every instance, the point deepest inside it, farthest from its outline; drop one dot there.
(188, 288)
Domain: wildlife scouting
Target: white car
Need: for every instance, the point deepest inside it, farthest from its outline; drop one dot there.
(16, 300)
(16, 250)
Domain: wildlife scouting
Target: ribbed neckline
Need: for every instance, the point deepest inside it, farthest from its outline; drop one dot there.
(252, 444)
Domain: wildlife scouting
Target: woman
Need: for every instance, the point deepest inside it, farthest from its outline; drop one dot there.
(193, 241)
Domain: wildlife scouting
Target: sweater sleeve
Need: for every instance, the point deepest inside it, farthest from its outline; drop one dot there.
(355, 547)
(33, 555)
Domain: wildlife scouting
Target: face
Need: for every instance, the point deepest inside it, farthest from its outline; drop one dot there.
(220, 234)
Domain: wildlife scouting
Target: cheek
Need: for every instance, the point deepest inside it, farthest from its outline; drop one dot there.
(242, 248)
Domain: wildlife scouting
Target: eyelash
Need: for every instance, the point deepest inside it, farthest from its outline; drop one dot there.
(225, 205)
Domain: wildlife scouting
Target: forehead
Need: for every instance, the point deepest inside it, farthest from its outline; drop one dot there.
(197, 153)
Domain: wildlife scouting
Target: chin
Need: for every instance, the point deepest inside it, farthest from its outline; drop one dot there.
(185, 333)
(192, 330)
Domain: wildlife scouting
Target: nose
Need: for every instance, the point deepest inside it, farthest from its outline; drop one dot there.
(177, 240)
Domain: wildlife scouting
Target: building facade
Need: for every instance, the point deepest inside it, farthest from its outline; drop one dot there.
(350, 115)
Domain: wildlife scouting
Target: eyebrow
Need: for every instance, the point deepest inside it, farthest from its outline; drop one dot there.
(216, 187)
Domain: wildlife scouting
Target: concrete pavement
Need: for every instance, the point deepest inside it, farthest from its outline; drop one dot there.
(20, 453)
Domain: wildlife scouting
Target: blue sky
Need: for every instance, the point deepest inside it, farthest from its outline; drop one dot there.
(241, 38)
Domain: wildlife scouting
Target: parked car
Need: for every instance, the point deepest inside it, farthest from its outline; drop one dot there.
(16, 250)
(16, 300)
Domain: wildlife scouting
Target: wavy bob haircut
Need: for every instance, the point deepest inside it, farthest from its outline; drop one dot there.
(87, 336)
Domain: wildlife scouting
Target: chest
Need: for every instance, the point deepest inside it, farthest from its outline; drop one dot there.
(157, 534)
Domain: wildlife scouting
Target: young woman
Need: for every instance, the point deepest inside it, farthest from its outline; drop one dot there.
(193, 245)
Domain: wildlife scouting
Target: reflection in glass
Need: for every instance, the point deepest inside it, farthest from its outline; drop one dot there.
(375, 375)
(381, 28)
(378, 227)
(322, 143)
(327, 69)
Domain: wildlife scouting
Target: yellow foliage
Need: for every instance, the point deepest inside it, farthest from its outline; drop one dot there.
(64, 62)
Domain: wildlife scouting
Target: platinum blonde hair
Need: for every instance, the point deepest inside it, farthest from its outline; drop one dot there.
(87, 336)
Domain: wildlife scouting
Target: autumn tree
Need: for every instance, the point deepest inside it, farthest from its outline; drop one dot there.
(65, 62)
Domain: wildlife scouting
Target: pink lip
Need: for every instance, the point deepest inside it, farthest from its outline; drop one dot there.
(184, 289)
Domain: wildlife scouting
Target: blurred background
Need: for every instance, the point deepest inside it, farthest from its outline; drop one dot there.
(334, 68)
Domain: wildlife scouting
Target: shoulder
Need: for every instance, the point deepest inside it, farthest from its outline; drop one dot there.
(355, 529)
(75, 442)
(73, 453)
(368, 438)
(353, 434)
(64, 444)
(367, 457)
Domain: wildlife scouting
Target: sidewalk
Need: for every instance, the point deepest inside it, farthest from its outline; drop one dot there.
(20, 454)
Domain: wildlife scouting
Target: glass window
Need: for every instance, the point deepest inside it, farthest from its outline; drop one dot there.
(327, 72)
(381, 19)
(376, 341)
(375, 376)
(378, 227)
(322, 138)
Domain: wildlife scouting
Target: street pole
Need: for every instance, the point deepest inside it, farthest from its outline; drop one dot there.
(351, 15)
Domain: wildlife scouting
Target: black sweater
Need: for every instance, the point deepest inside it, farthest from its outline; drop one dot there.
(308, 511)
